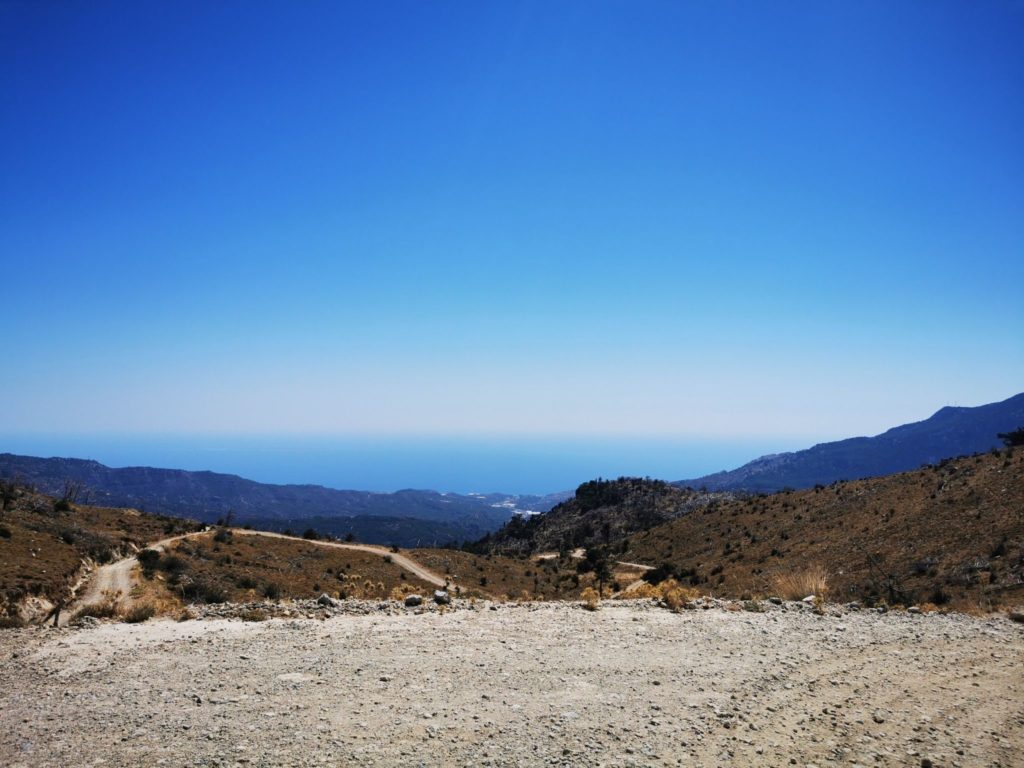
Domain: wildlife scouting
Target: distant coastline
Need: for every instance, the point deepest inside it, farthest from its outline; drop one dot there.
(386, 464)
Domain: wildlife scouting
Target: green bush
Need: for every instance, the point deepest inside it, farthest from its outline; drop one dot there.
(172, 564)
(222, 536)
(148, 559)
(204, 591)
(272, 591)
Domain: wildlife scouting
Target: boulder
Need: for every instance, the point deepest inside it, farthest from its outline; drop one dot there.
(441, 597)
(326, 599)
(412, 601)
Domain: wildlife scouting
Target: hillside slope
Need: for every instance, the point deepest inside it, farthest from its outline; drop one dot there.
(601, 511)
(413, 517)
(949, 432)
(948, 533)
(45, 548)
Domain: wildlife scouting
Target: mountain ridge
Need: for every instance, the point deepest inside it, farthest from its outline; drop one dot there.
(204, 495)
(950, 431)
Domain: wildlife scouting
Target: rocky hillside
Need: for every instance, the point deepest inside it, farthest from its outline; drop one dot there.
(602, 511)
(45, 544)
(949, 432)
(951, 533)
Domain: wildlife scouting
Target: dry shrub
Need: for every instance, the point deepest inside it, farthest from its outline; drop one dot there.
(643, 592)
(400, 592)
(675, 594)
(139, 613)
(591, 599)
(798, 585)
(253, 614)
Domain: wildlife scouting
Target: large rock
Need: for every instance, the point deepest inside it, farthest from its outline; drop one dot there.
(441, 597)
(327, 600)
(413, 600)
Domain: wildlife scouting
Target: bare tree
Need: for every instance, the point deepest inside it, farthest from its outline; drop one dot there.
(73, 489)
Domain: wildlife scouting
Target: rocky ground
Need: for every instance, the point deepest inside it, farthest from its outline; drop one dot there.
(515, 685)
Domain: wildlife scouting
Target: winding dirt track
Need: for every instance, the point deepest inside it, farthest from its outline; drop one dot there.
(398, 559)
(114, 581)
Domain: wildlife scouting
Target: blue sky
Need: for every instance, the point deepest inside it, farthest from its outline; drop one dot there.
(732, 221)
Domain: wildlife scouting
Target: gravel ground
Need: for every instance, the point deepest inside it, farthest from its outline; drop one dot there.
(519, 685)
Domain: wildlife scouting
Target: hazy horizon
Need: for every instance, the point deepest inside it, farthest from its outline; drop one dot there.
(522, 464)
(464, 464)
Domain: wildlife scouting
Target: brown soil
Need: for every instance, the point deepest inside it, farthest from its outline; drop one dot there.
(252, 565)
(44, 554)
(951, 535)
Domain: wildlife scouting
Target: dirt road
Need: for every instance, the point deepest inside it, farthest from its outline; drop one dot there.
(522, 685)
(397, 558)
(113, 582)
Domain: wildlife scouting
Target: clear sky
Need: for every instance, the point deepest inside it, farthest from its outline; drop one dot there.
(725, 220)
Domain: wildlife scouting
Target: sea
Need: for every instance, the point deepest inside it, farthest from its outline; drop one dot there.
(461, 464)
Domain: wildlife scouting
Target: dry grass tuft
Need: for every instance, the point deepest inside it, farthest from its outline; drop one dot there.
(402, 591)
(105, 610)
(801, 584)
(670, 591)
(139, 613)
(643, 591)
(675, 594)
(591, 599)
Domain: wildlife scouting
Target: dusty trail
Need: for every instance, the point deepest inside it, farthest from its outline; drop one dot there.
(397, 558)
(114, 582)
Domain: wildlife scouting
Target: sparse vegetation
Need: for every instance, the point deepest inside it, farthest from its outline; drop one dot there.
(103, 610)
(203, 590)
(1012, 439)
(272, 591)
(811, 581)
(139, 613)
